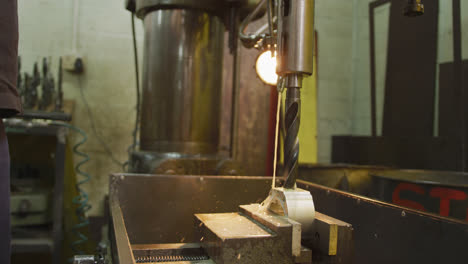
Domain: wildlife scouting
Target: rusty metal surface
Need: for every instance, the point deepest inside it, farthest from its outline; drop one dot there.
(160, 208)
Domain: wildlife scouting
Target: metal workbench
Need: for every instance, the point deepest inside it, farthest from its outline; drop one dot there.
(157, 209)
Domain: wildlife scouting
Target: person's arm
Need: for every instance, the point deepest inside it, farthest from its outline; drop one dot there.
(10, 103)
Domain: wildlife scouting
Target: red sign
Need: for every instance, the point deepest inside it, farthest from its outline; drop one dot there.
(445, 195)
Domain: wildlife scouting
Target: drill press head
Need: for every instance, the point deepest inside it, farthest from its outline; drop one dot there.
(295, 41)
(295, 60)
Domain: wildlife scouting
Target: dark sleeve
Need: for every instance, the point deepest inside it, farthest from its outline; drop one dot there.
(10, 103)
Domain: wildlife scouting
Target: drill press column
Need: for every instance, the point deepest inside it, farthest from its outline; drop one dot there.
(295, 60)
(182, 76)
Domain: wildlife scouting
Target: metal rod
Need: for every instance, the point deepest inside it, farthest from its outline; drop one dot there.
(458, 77)
(272, 132)
(373, 87)
(235, 100)
(246, 21)
(270, 19)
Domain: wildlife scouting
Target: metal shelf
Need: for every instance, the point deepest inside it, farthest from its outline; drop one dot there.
(50, 240)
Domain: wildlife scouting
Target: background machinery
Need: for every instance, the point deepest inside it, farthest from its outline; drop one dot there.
(174, 213)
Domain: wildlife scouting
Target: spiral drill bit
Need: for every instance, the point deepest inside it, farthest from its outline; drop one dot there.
(291, 141)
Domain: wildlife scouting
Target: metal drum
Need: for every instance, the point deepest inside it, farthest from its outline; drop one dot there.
(444, 193)
(182, 78)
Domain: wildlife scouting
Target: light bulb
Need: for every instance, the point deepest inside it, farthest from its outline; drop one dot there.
(266, 68)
